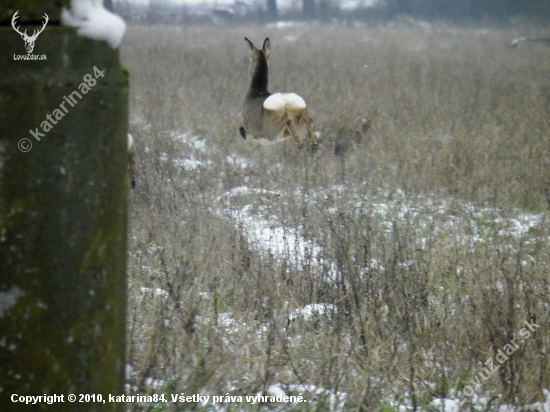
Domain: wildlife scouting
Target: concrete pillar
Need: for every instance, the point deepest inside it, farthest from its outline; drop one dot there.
(63, 211)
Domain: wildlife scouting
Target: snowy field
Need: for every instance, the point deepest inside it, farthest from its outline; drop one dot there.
(383, 272)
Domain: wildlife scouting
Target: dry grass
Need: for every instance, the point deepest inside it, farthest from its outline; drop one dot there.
(419, 228)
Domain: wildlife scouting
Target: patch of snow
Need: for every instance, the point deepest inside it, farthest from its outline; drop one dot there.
(154, 384)
(8, 299)
(191, 163)
(154, 291)
(336, 400)
(446, 405)
(193, 140)
(275, 390)
(543, 406)
(94, 21)
(130, 141)
(308, 312)
(238, 161)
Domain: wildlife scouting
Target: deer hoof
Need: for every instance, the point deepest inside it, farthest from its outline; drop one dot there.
(242, 132)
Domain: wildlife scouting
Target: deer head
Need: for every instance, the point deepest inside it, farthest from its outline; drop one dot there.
(29, 40)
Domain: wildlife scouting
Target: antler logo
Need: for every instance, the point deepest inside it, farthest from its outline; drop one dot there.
(29, 40)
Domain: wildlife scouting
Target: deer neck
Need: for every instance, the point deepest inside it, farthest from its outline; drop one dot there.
(258, 80)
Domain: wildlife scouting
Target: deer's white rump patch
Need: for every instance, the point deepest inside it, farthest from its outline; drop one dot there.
(94, 21)
(282, 101)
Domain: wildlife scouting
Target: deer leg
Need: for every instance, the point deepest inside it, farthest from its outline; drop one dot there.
(292, 129)
(242, 130)
(311, 139)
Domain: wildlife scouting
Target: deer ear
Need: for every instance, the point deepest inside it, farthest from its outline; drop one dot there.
(251, 48)
(266, 47)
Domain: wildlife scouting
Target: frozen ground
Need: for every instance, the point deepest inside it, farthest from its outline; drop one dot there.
(435, 216)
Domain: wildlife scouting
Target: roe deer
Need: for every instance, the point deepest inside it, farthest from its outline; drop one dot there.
(272, 118)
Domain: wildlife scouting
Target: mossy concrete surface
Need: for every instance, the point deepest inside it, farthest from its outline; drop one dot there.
(62, 220)
(32, 11)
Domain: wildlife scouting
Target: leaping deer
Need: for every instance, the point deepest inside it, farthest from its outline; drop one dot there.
(272, 118)
(29, 40)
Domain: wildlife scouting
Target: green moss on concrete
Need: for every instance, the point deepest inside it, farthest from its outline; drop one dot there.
(31, 11)
(62, 222)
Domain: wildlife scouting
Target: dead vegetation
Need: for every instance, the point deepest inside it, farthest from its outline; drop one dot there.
(383, 269)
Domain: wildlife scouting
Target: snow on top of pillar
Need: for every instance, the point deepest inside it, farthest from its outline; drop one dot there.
(94, 21)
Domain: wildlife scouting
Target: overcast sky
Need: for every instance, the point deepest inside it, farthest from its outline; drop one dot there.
(281, 3)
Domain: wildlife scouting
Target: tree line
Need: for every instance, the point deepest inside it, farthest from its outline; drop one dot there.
(468, 9)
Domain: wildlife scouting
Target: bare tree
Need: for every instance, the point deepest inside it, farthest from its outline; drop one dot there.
(272, 12)
(308, 8)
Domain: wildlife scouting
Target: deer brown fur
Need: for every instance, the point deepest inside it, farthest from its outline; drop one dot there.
(271, 118)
